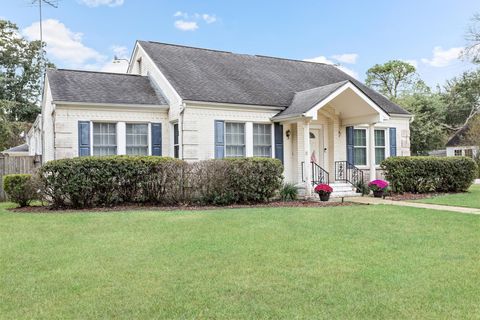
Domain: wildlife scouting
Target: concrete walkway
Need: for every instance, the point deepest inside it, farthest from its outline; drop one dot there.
(375, 201)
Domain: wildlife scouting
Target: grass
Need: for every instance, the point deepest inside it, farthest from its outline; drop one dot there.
(370, 262)
(469, 199)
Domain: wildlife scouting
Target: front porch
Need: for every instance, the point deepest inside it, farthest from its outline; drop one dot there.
(340, 139)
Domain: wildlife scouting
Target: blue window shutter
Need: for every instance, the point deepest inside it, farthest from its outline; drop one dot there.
(278, 141)
(156, 139)
(219, 139)
(350, 145)
(83, 138)
(393, 142)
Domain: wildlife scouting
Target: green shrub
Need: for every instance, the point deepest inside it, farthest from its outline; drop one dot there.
(20, 188)
(429, 174)
(106, 181)
(242, 180)
(288, 192)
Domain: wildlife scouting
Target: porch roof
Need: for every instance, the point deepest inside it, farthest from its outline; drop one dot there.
(305, 101)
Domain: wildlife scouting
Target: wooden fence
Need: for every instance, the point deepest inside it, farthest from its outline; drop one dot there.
(16, 164)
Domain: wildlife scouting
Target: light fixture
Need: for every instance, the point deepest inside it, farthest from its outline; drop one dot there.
(287, 133)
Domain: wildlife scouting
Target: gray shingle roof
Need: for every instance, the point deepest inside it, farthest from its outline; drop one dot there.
(305, 100)
(20, 148)
(219, 76)
(460, 138)
(101, 87)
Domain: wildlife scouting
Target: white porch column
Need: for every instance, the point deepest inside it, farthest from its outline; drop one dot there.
(306, 158)
(371, 148)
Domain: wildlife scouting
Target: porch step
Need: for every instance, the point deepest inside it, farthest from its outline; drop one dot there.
(342, 189)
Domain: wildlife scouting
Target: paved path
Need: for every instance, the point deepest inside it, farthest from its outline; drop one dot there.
(374, 201)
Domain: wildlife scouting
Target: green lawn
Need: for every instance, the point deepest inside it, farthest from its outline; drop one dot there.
(305, 263)
(469, 199)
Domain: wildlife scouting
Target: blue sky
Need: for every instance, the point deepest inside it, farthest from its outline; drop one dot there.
(87, 34)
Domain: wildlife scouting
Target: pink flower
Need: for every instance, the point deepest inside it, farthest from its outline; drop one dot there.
(323, 188)
(377, 185)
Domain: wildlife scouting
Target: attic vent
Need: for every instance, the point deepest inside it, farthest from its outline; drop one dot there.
(139, 65)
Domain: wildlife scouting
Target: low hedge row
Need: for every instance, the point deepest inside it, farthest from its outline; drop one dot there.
(429, 174)
(107, 181)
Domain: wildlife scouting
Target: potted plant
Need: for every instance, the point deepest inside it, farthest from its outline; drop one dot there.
(378, 187)
(323, 191)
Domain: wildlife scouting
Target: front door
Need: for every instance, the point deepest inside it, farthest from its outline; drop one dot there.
(316, 147)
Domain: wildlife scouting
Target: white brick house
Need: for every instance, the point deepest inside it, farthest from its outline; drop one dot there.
(198, 104)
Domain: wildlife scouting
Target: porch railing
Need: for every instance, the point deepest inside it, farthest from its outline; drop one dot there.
(319, 175)
(347, 172)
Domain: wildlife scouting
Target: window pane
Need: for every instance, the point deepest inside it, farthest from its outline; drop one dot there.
(137, 138)
(234, 140)
(359, 137)
(262, 140)
(458, 152)
(469, 153)
(379, 155)
(360, 156)
(380, 138)
(104, 139)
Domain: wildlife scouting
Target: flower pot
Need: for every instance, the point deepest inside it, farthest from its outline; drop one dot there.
(378, 194)
(324, 197)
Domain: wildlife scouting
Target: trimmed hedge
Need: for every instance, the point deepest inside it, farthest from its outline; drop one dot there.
(20, 188)
(429, 174)
(106, 181)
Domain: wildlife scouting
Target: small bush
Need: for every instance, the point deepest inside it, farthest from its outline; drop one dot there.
(107, 181)
(242, 180)
(429, 174)
(288, 192)
(20, 188)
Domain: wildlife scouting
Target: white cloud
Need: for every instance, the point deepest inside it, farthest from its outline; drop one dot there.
(323, 59)
(63, 44)
(209, 18)
(442, 58)
(350, 58)
(189, 22)
(186, 25)
(97, 3)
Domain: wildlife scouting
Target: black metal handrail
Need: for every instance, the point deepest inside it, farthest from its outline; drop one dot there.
(319, 175)
(347, 172)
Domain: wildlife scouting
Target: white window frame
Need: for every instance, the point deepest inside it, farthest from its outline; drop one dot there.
(92, 145)
(387, 144)
(245, 140)
(458, 150)
(384, 147)
(272, 139)
(367, 143)
(149, 143)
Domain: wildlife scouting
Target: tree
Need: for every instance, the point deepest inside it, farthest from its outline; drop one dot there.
(472, 50)
(21, 72)
(393, 78)
(462, 100)
(426, 132)
(473, 133)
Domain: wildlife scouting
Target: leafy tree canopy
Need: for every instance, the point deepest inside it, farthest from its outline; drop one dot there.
(394, 78)
(21, 73)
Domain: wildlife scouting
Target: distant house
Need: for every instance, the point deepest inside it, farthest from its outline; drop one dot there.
(17, 151)
(196, 104)
(459, 145)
